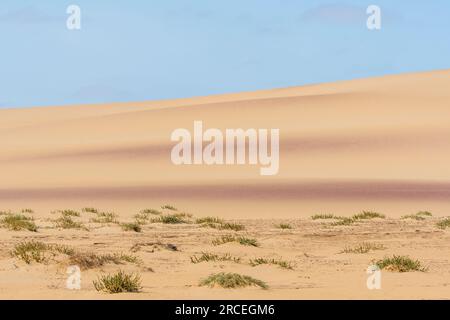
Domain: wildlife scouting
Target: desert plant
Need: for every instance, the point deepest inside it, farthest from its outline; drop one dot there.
(283, 264)
(400, 264)
(175, 218)
(207, 257)
(69, 213)
(105, 217)
(30, 251)
(169, 207)
(368, 215)
(283, 226)
(364, 247)
(89, 210)
(27, 210)
(323, 216)
(17, 222)
(445, 223)
(232, 280)
(132, 226)
(241, 240)
(66, 222)
(118, 282)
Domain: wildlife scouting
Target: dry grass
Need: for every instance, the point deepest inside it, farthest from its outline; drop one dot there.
(212, 257)
(281, 263)
(232, 280)
(241, 240)
(105, 217)
(132, 226)
(364, 247)
(443, 224)
(118, 283)
(17, 222)
(400, 264)
(67, 222)
(175, 218)
(284, 226)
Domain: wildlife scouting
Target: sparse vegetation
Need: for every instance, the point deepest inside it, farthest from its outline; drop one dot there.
(169, 207)
(143, 217)
(105, 217)
(365, 215)
(118, 282)
(132, 226)
(283, 226)
(209, 220)
(27, 210)
(17, 222)
(66, 222)
(232, 280)
(89, 260)
(241, 240)
(212, 257)
(69, 213)
(175, 218)
(364, 247)
(324, 216)
(151, 211)
(343, 221)
(445, 223)
(37, 251)
(281, 263)
(400, 264)
(89, 210)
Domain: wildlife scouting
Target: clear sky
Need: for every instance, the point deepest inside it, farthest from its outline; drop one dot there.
(132, 50)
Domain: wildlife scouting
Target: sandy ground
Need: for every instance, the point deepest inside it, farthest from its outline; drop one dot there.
(378, 144)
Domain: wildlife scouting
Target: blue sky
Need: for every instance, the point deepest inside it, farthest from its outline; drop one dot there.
(131, 50)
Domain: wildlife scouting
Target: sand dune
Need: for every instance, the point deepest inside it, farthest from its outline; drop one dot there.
(380, 144)
(379, 140)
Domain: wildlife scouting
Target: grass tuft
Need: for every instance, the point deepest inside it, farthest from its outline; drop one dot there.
(132, 226)
(365, 215)
(17, 222)
(400, 264)
(323, 216)
(66, 222)
(119, 282)
(444, 223)
(175, 218)
(27, 210)
(232, 280)
(69, 213)
(89, 210)
(364, 247)
(281, 263)
(283, 226)
(212, 257)
(105, 217)
(241, 240)
(169, 207)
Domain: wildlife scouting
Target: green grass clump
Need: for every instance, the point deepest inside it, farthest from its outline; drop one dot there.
(444, 223)
(37, 251)
(232, 280)
(69, 213)
(365, 215)
(241, 240)
(323, 216)
(105, 217)
(132, 226)
(30, 251)
(364, 247)
(89, 210)
(169, 207)
(66, 222)
(90, 260)
(343, 221)
(17, 222)
(118, 282)
(283, 226)
(418, 216)
(175, 218)
(209, 220)
(281, 263)
(400, 264)
(151, 211)
(212, 257)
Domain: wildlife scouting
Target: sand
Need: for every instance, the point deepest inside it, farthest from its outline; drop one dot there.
(379, 144)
